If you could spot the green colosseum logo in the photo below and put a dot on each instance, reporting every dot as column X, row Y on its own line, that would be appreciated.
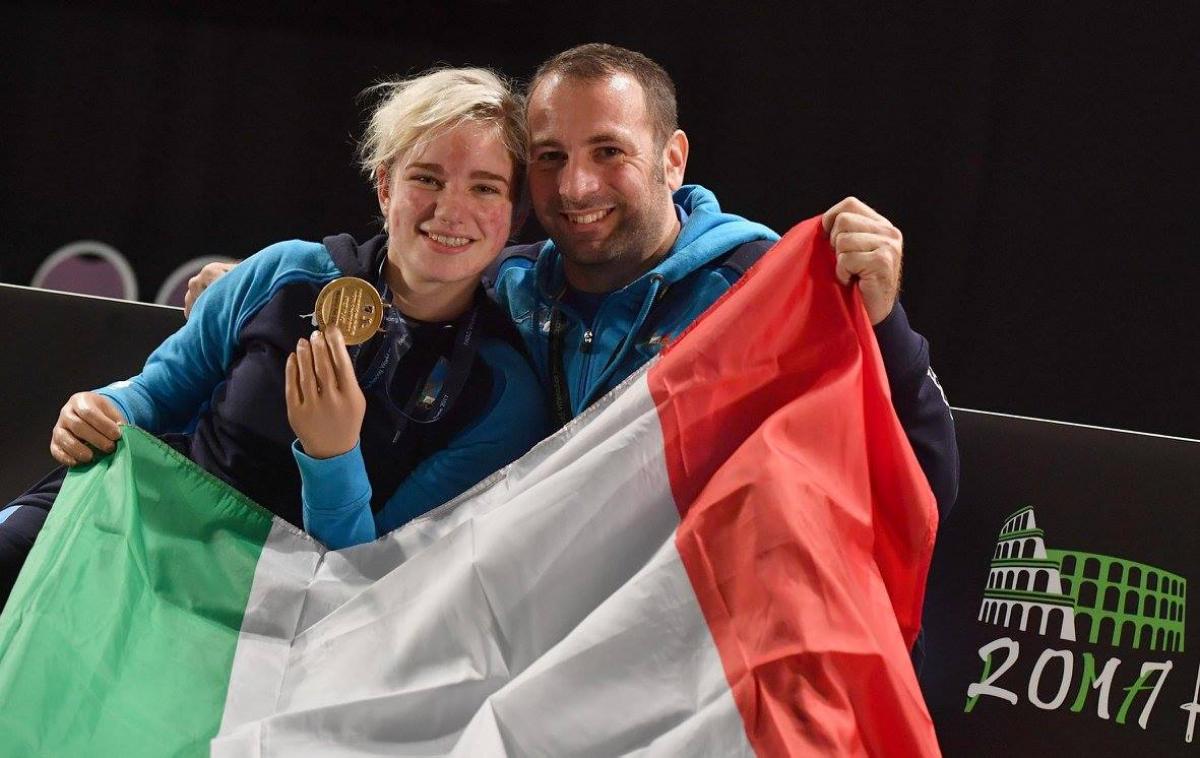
column 1080, row 597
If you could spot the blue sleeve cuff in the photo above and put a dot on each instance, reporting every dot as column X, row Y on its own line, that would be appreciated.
column 330, row 485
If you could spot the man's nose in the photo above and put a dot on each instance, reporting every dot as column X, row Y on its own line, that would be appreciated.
column 577, row 181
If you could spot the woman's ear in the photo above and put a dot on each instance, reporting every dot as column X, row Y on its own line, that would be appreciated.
column 383, row 188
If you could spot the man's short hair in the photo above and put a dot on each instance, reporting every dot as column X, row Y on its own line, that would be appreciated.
column 597, row 60
column 412, row 112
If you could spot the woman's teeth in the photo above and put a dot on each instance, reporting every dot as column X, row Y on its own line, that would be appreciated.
column 448, row 241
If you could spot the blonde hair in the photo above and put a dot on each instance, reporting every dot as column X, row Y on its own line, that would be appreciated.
column 411, row 112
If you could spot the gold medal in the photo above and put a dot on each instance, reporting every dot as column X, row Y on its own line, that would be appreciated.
column 353, row 305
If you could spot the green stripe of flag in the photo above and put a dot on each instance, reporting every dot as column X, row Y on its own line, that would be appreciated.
column 145, row 562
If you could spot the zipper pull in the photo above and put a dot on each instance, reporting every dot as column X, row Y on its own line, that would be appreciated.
column 586, row 347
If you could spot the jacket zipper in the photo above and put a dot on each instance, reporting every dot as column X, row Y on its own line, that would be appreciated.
column 586, row 345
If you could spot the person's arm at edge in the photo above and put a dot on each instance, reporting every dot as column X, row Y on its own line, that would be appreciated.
column 180, row 375
column 920, row 405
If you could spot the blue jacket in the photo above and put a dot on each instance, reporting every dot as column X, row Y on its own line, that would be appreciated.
column 596, row 356
column 224, row 370
column 655, row 307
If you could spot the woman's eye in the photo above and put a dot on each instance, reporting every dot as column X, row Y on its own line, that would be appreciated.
column 486, row 189
column 424, row 179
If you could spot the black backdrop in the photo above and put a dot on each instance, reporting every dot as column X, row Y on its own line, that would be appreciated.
column 1041, row 158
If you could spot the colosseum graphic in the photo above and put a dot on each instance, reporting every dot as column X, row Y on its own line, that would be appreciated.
column 1081, row 597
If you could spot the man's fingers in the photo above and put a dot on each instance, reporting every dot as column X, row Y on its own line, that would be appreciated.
column 71, row 446
column 864, row 263
column 849, row 205
column 861, row 242
column 194, row 288
column 109, row 409
column 291, row 383
column 343, row 367
column 94, row 415
column 84, row 431
column 59, row 455
column 831, row 215
column 851, row 223
column 200, row 282
column 842, row 271
column 861, row 265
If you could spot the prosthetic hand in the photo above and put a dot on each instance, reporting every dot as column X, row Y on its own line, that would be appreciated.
column 324, row 403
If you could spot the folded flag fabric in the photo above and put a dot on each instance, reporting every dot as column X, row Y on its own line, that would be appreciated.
column 725, row 556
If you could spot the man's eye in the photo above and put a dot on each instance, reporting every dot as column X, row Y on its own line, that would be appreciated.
column 425, row 179
column 609, row 152
column 549, row 156
column 486, row 189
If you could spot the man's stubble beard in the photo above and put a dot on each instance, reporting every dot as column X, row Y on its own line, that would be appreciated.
column 636, row 236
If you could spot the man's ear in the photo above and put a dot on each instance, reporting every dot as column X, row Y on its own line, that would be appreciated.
column 675, row 154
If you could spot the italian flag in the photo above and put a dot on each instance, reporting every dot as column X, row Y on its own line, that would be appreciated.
column 725, row 556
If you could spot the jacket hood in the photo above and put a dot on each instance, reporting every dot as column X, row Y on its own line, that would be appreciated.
column 708, row 233
column 354, row 259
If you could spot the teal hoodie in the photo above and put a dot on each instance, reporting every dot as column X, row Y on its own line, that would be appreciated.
column 632, row 323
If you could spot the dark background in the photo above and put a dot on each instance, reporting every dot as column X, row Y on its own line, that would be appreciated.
column 1040, row 158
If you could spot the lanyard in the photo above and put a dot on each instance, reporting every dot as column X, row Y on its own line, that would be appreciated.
column 434, row 396
column 560, row 394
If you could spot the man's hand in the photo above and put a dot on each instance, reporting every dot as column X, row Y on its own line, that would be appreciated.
column 198, row 283
column 87, row 419
column 325, row 405
column 870, row 249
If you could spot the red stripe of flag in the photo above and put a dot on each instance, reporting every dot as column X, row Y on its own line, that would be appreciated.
column 807, row 524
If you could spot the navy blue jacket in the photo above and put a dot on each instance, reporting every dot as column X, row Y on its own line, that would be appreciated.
column 227, row 362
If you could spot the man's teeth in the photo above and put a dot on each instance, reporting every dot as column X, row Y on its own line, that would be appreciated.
column 588, row 218
column 448, row 241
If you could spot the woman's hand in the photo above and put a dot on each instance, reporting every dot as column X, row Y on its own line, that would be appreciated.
column 87, row 419
column 325, row 405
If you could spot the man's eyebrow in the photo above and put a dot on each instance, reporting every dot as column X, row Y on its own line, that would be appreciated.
column 437, row 167
column 595, row 139
column 607, row 137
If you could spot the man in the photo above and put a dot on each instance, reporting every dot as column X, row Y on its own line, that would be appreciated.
column 635, row 256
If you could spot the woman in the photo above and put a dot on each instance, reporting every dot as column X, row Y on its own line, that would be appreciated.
column 351, row 441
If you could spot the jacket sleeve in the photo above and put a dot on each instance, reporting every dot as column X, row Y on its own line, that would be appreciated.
column 180, row 375
column 920, row 405
column 337, row 495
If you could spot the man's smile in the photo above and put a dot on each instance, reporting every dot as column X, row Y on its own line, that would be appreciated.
column 588, row 217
